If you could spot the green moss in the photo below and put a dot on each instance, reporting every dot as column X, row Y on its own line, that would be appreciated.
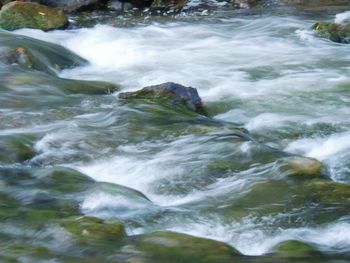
column 335, row 32
column 36, row 54
column 295, row 249
column 17, row 148
column 63, row 179
column 175, row 247
column 18, row 14
column 93, row 230
column 328, row 192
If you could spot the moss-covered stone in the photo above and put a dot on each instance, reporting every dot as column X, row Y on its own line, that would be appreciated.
column 175, row 247
column 295, row 249
column 18, row 148
column 335, row 32
column 88, row 229
column 328, row 192
column 35, row 54
column 18, row 14
column 63, row 179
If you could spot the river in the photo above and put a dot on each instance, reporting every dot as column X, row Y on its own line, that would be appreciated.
column 268, row 74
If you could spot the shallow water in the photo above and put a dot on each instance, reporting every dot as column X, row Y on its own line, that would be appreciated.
column 268, row 74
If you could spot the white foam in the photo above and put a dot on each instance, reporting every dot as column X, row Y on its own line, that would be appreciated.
column 342, row 18
column 321, row 148
column 250, row 238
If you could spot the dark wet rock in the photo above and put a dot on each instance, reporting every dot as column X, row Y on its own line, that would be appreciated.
column 302, row 166
column 328, row 192
column 174, row 93
column 175, row 5
column 63, row 179
column 17, row 148
column 19, row 14
column 89, row 229
column 175, row 247
column 71, row 5
column 35, row 54
column 335, row 32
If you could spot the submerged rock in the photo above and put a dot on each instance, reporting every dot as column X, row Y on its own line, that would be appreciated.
column 302, row 166
column 31, row 82
column 295, row 249
column 166, row 246
column 335, row 32
column 17, row 14
column 171, row 92
column 30, row 53
column 18, row 148
column 89, row 229
column 328, row 192
column 64, row 180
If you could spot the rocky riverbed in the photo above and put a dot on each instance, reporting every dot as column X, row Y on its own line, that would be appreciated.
column 206, row 132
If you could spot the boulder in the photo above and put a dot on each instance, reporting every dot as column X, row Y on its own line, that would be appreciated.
column 296, row 249
column 302, row 166
column 335, row 32
column 17, row 148
column 169, row 92
column 15, row 15
column 30, row 53
column 166, row 246
column 92, row 230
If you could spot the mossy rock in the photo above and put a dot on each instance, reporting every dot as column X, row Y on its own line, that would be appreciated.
column 335, row 32
column 63, row 179
column 41, row 83
column 174, row 247
column 30, row 53
column 295, row 249
column 17, row 14
column 89, row 229
column 328, row 192
column 18, row 148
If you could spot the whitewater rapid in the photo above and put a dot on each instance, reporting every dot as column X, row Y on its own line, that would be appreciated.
column 279, row 80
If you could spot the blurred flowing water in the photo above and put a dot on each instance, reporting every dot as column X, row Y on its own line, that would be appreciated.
column 268, row 74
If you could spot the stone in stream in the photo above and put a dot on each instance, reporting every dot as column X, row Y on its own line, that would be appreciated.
column 87, row 229
column 17, row 14
column 296, row 250
column 30, row 53
column 166, row 246
column 17, row 148
column 33, row 82
column 169, row 92
column 328, row 192
column 302, row 166
column 336, row 32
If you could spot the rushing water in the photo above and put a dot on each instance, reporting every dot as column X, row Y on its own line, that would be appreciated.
column 268, row 74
